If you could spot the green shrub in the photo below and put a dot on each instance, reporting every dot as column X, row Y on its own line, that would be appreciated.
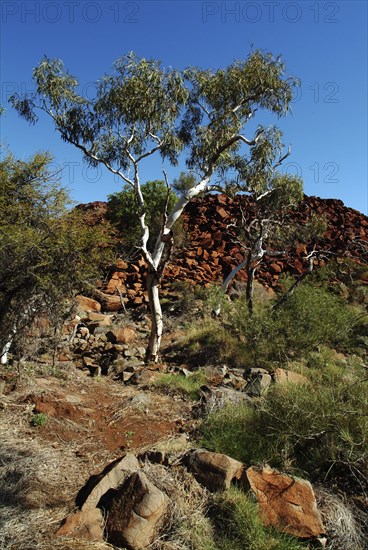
column 208, row 341
column 39, row 419
column 310, row 318
column 123, row 211
column 316, row 429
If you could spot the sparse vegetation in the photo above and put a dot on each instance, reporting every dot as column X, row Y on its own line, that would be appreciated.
column 241, row 526
column 311, row 318
column 47, row 253
column 320, row 431
column 39, row 419
column 188, row 385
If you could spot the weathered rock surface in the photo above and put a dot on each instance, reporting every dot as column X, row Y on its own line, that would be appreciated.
column 286, row 503
column 123, row 335
column 135, row 513
column 87, row 304
column 215, row 471
column 111, row 477
column 211, row 253
column 85, row 524
column 259, row 381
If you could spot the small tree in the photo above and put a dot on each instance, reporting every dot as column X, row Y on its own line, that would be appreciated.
column 142, row 110
column 46, row 252
column 267, row 228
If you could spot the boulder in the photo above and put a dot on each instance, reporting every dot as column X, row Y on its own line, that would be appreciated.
column 87, row 304
column 259, row 382
column 110, row 478
column 98, row 320
column 123, row 335
column 282, row 376
column 218, row 398
column 214, row 375
column 135, row 513
column 213, row 470
column 286, row 502
column 110, row 302
column 87, row 524
column 145, row 377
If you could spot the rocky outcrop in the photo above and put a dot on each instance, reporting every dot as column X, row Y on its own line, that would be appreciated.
column 210, row 252
column 112, row 476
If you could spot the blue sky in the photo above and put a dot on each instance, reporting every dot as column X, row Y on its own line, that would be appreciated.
column 323, row 43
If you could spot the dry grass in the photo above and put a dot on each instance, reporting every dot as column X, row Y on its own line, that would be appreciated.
column 343, row 528
column 186, row 526
column 38, row 485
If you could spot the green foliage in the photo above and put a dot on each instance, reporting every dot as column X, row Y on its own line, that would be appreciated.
column 229, row 97
column 123, row 211
column 311, row 317
column 46, row 252
column 241, row 525
column 138, row 101
column 208, row 341
column 316, row 429
column 188, row 385
column 184, row 182
column 39, row 419
column 142, row 109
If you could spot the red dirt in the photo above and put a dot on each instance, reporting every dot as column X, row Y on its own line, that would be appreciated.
column 99, row 415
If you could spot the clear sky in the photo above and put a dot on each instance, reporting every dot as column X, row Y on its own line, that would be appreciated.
column 323, row 43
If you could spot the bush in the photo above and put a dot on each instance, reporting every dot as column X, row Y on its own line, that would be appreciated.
column 209, row 342
column 318, row 431
column 310, row 318
column 47, row 253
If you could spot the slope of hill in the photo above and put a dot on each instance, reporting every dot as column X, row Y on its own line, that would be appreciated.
column 210, row 251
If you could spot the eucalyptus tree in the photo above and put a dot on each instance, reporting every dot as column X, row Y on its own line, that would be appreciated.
column 143, row 109
column 269, row 229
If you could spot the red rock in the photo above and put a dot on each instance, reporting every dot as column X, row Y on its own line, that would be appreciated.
column 122, row 265
column 222, row 213
column 110, row 302
column 87, row 304
column 100, row 319
column 275, row 268
column 286, row 503
column 123, row 335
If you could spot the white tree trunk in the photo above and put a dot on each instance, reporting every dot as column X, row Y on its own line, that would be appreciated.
column 225, row 284
column 156, row 267
column 156, row 315
column 6, row 348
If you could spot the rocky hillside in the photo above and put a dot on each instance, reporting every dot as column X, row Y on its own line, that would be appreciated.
column 170, row 456
column 210, row 251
